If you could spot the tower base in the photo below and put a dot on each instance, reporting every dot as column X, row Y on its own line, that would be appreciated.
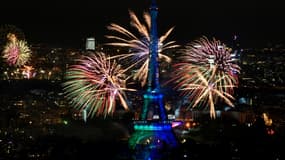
column 153, row 135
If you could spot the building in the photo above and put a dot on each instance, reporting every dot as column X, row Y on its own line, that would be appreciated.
column 90, row 43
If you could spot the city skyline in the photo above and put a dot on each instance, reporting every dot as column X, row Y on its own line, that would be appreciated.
column 69, row 23
column 58, row 102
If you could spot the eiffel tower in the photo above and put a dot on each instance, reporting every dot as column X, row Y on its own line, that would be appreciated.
column 153, row 129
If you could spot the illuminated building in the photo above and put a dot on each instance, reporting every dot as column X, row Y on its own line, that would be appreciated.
column 90, row 43
column 153, row 130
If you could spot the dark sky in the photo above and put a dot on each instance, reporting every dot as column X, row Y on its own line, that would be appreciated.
column 68, row 23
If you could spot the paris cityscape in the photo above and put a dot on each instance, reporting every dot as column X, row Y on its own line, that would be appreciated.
column 140, row 89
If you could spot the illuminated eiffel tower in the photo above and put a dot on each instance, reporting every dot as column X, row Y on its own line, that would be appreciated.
column 153, row 127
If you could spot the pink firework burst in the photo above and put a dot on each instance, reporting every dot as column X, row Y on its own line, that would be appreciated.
column 206, row 72
column 210, row 53
column 17, row 53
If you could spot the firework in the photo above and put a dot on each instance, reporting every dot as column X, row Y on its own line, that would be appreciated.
column 27, row 71
column 17, row 52
column 205, row 91
column 7, row 29
column 206, row 73
column 95, row 84
column 139, row 46
column 203, row 50
column 11, row 37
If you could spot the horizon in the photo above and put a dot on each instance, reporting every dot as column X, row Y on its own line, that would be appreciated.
column 68, row 24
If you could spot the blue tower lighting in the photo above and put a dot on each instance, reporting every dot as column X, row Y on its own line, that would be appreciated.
column 153, row 123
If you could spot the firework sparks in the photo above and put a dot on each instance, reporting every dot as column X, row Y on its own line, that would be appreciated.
column 7, row 30
column 27, row 71
column 210, row 54
column 95, row 84
column 206, row 73
column 17, row 53
column 205, row 91
column 139, row 46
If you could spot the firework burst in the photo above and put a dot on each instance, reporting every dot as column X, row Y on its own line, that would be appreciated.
column 212, row 54
column 28, row 71
column 206, row 73
column 205, row 91
column 7, row 29
column 95, row 84
column 139, row 46
column 17, row 53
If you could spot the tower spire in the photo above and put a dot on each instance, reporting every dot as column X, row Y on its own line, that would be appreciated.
column 153, row 70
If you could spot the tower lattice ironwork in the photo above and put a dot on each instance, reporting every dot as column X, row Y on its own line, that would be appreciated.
column 153, row 126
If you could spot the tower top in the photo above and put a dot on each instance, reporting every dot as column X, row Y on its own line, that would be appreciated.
column 153, row 5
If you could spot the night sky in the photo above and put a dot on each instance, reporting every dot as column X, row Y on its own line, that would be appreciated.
column 68, row 23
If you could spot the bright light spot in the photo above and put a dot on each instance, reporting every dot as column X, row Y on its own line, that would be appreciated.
column 65, row 122
column 187, row 125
